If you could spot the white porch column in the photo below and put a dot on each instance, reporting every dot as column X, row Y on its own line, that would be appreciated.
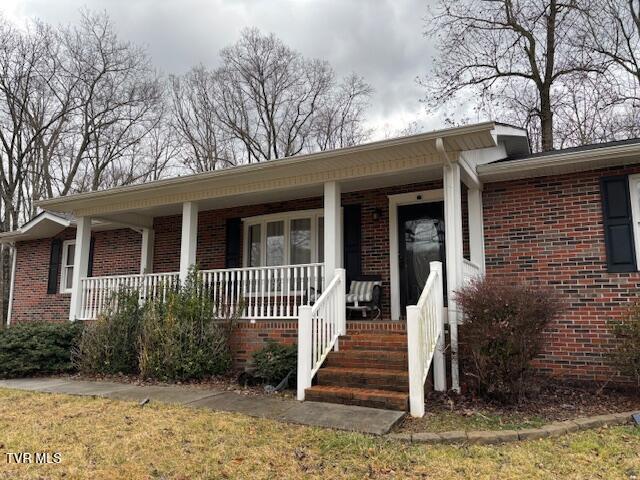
column 476, row 227
column 332, row 230
column 12, row 286
column 80, row 265
column 146, row 253
column 189, row 239
column 454, row 255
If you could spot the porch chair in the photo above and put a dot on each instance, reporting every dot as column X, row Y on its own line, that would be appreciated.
column 365, row 296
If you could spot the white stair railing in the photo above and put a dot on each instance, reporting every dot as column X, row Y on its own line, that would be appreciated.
column 319, row 327
column 425, row 340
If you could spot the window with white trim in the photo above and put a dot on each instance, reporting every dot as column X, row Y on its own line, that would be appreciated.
column 66, row 274
column 634, row 194
column 291, row 238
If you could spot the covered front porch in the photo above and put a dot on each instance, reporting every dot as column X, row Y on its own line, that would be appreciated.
column 284, row 241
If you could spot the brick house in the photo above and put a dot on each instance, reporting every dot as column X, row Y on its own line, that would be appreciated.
column 283, row 241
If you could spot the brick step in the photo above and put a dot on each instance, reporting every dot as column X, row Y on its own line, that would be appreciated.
column 380, row 344
column 367, row 358
column 376, row 378
column 363, row 397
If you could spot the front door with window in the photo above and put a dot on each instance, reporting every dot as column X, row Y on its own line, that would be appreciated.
column 421, row 240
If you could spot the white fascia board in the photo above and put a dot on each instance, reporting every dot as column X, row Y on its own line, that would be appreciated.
column 560, row 163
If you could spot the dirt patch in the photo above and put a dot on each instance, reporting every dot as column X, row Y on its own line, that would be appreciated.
column 549, row 403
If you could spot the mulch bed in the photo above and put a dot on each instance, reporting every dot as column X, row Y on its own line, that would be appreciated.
column 551, row 402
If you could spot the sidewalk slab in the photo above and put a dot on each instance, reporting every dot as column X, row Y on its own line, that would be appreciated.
column 37, row 384
column 252, row 405
column 162, row 394
column 342, row 417
column 76, row 387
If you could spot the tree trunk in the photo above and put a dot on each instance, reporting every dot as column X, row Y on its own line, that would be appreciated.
column 546, row 122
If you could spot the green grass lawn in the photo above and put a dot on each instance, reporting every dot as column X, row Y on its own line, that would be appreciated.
column 107, row 439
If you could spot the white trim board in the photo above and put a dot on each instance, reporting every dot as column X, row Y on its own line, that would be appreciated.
column 634, row 194
column 411, row 198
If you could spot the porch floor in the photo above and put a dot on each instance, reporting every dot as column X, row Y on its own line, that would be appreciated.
column 341, row 417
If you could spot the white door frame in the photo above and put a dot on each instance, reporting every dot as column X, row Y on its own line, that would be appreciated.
column 411, row 198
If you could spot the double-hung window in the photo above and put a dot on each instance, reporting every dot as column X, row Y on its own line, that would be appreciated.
column 292, row 238
column 66, row 274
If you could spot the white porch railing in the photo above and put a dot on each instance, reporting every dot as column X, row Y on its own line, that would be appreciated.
column 250, row 293
column 264, row 292
column 97, row 292
column 425, row 340
column 470, row 271
column 319, row 327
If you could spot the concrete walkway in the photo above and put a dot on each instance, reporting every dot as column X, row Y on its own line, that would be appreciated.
column 342, row 417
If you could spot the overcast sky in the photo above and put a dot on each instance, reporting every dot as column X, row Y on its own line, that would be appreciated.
column 379, row 39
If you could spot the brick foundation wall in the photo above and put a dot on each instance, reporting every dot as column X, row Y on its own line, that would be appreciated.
column 115, row 252
column 548, row 231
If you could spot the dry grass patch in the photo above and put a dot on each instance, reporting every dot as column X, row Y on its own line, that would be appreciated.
column 107, row 439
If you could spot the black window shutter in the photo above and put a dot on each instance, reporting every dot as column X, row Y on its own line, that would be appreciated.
column 90, row 266
column 233, row 249
column 54, row 265
column 352, row 228
column 618, row 224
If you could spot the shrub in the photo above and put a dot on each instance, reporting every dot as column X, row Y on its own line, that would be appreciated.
column 626, row 354
column 181, row 338
column 502, row 333
column 37, row 348
column 274, row 361
column 110, row 344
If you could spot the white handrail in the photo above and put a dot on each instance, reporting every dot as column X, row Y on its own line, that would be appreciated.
column 319, row 327
column 425, row 339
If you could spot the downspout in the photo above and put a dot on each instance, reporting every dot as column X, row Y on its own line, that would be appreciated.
column 14, row 261
column 452, row 310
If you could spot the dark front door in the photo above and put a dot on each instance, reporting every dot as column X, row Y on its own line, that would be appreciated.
column 421, row 240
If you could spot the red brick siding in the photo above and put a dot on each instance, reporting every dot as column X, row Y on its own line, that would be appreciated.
column 115, row 252
column 548, row 231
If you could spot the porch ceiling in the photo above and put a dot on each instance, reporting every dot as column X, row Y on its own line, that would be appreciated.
column 388, row 162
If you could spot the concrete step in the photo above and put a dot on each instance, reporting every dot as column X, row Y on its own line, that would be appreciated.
column 364, row 397
column 396, row 360
column 376, row 378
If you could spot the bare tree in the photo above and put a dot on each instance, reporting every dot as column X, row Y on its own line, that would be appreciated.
column 506, row 50
column 206, row 144
column 276, row 103
column 340, row 121
column 612, row 30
